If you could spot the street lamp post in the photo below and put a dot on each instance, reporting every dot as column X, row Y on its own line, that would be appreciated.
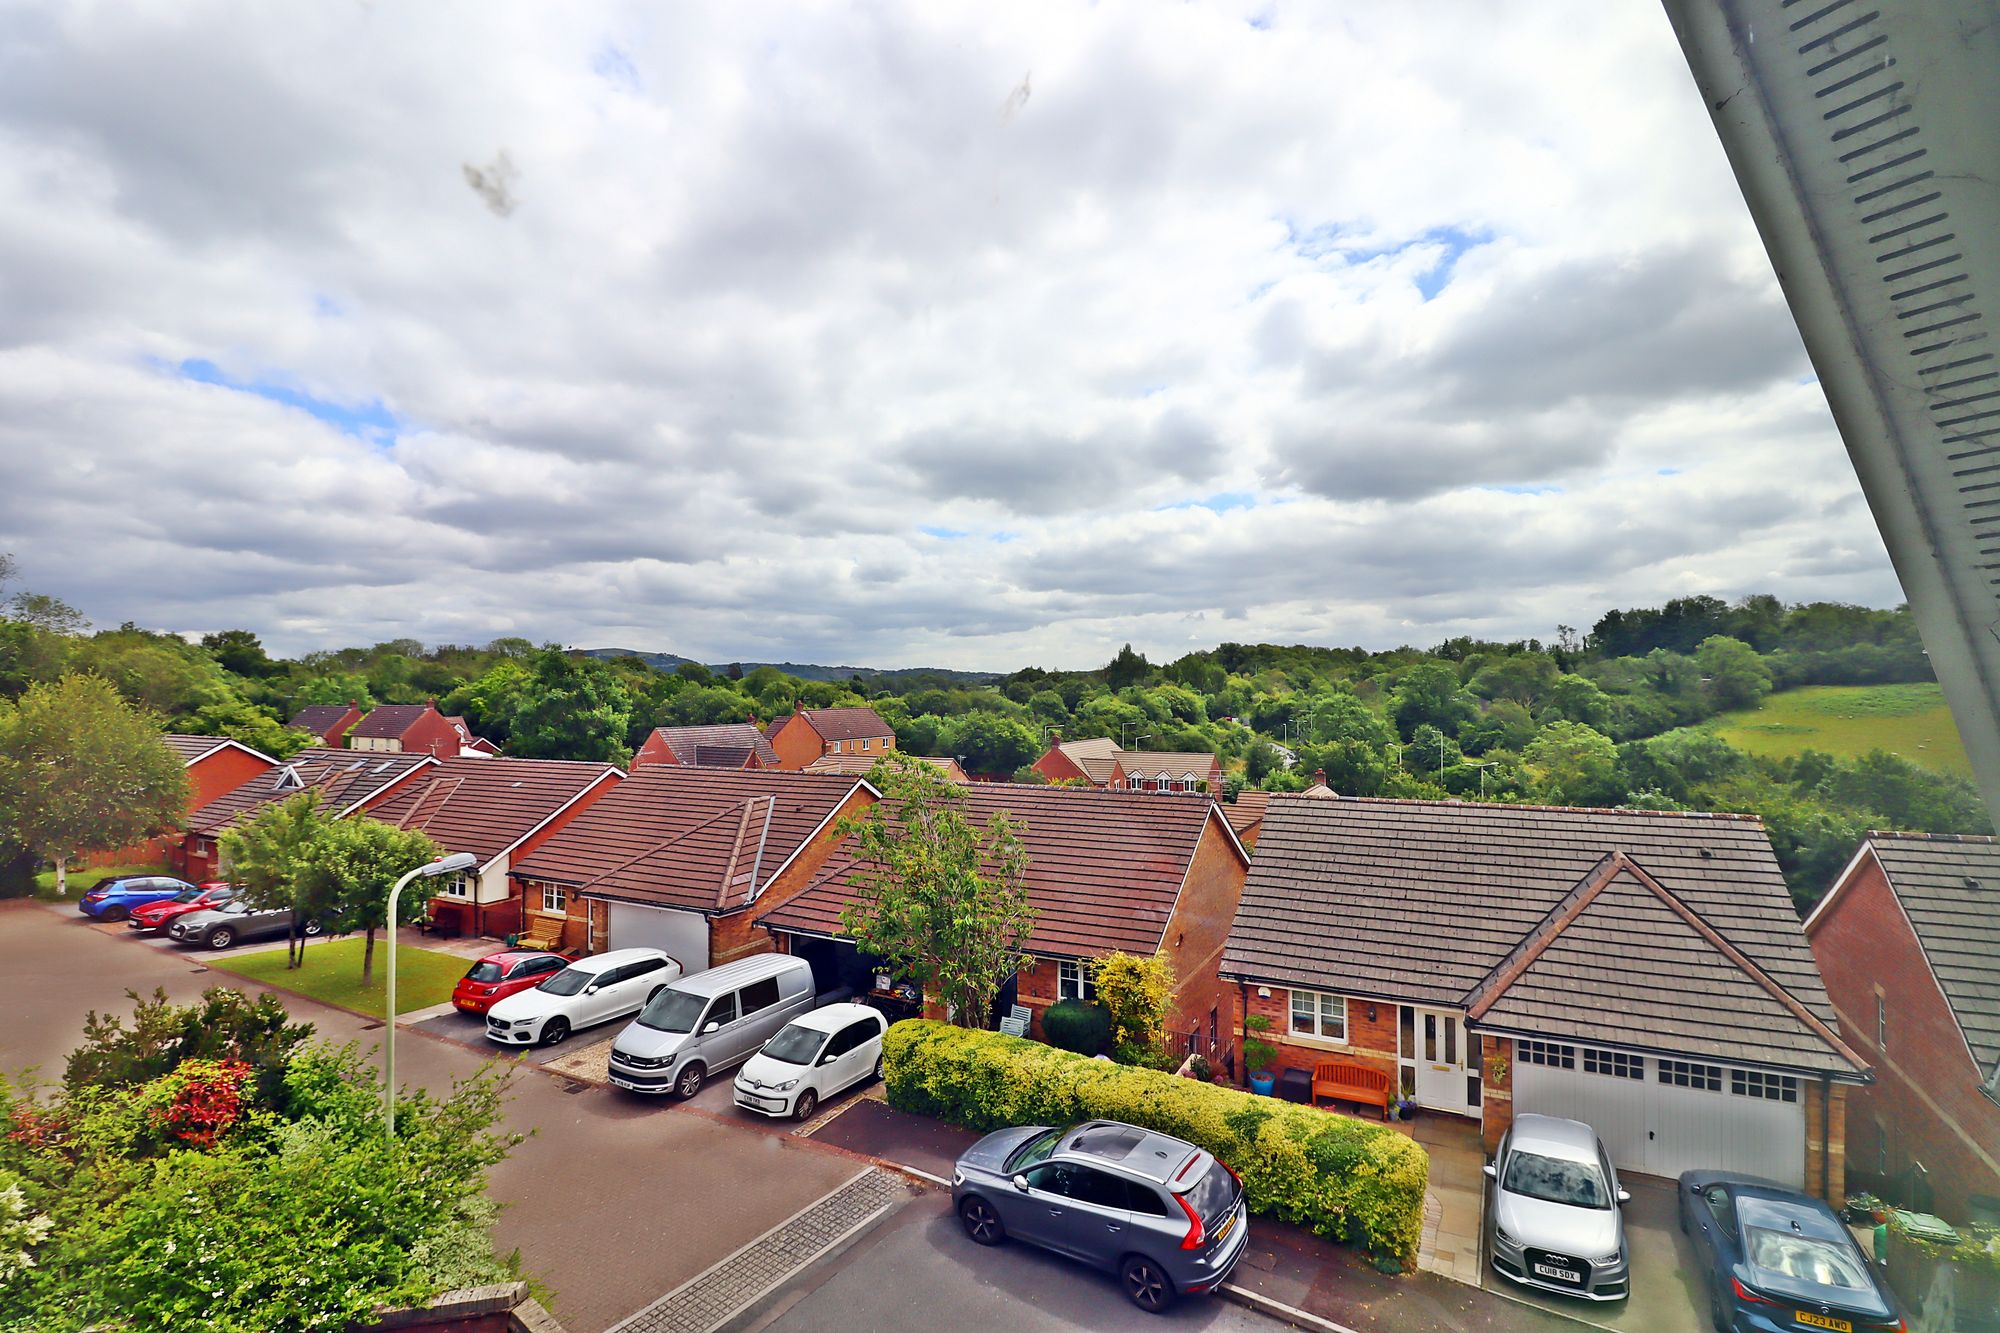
column 449, row 865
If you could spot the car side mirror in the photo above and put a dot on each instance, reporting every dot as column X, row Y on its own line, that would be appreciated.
column 590, row 990
column 1492, row 1171
column 712, row 1027
column 1021, row 1184
column 828, row 1059
column 1624, row 1195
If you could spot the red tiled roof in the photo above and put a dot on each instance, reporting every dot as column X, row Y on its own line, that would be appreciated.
column 685, row 741
column 722, row 756
column 486, row 806
column 342, row 778
column 191, row 748
column 1097, row 756
column 1247, row 810
column 389, row 721
column 670, row 836
column 1104, row 868
column 846, row 724
column 316, row 718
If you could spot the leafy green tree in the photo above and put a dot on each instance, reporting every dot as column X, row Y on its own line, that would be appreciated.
column 239, row 651
column 338, row 688
column 256, row 727
column 1126, row 668
column 1574, row 765
column 351, row 864
column 939, row 898
column 1429, row 694
column 265, row 854
column 81, row 771
column 164, row 674
column 1136, row 992
column 1736, row 676
column 225, row 1024
column 573, row 708
column 1524, row 678
column 706, row 705
column 990, row 744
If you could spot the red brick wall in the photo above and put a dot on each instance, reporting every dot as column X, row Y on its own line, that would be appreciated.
column 797, row 743
column 1057, row 767
column 431, row 733
column 654, row 751
column 1369, row 1042
column 1925, row 1105
column 1496, row 1089
column 1195, row 935
column 213, row 776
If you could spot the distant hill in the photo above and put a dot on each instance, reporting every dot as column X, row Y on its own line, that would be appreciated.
column 1850, row 720
column 805, row 670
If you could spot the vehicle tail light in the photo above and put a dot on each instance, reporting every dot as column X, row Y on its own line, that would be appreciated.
column 1744, row 1293
column 1197, row 1233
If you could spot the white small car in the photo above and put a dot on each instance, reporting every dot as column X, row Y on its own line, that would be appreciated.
column 589, row 991
column 811, row 1058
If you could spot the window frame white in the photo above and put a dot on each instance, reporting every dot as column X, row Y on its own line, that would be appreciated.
column 561, row 896
column 1318, row 1031
column 1076, row 979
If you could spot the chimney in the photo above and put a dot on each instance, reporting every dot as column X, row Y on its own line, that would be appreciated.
column 1319, row 777
column 1055, row 737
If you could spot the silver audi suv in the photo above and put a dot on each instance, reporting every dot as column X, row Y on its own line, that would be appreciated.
column 1164, row 1215
column 1555, row 1218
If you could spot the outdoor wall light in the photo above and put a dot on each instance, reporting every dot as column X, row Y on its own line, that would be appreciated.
column 1371, row 1013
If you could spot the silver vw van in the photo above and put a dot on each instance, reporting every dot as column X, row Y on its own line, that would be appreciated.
column 708, row 1022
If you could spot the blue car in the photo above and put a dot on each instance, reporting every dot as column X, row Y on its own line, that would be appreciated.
column 1779, row 1260
column 115, row 901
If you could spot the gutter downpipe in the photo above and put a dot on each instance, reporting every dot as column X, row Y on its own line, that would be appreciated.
column 1243, row 1025
column 1826, row 1137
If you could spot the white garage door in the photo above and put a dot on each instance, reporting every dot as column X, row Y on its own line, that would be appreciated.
column 682, row 934
column 1663, row 1117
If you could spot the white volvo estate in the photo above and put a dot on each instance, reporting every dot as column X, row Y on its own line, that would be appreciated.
column 589, row 991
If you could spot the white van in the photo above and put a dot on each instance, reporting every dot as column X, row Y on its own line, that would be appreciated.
column 709, row 1022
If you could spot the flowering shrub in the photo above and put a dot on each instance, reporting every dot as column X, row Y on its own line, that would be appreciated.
column 199, row 1102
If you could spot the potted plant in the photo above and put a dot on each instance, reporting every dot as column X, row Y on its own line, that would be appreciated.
column 1258, row 1054
column 1862, row 1207
column 1403, row 1109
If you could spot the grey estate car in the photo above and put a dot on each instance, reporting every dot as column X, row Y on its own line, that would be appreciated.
column 1164, row 1215
column 234, row 922
column 1555, row 1218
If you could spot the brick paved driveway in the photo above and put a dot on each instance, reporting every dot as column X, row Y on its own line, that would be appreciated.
column 613, row 1202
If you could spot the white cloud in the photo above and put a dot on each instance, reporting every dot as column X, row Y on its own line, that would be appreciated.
column 782, row 295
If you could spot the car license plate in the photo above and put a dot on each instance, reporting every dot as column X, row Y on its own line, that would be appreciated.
column 1824, row 1321
column 1223, row 1230
column 1559, row 1274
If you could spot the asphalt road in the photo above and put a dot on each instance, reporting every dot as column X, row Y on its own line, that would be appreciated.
column 612, row 1201
column 916, row 1271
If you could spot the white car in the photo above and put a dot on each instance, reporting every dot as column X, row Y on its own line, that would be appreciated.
column 811, row 1058
column 589, row 991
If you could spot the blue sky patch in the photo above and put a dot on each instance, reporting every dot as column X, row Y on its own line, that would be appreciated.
column 1331, row 238
column 364, row 421
column 615, row 68
column 1543, row 489
column 1220, row 503
column 945, row 534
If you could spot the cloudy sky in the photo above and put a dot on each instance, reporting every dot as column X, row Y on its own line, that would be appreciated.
column 891, row 333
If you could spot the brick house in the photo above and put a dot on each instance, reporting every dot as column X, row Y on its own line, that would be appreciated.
column 677, row 857
column 329, row 722
column 812, row 733
column 347, row 783
column 1642, row 972
column 725, row 745
column 215, row 765
column 1106, row 871
column 500, row 810
column 1246, row 814
column 409, row 729
column 1908, row 939
column 858, row 765
column 1101, row 763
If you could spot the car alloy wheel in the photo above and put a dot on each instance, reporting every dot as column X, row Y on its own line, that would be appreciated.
column 807, row 1103
column 689, row 1083
column 1146, row 1284
column 313, row 927
column 981, row 1222
column 555, row 1031
column 878, row 1069
column 221, row 939
column 117, row 913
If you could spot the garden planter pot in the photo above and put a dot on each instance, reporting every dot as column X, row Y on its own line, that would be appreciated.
column 1261, row 1084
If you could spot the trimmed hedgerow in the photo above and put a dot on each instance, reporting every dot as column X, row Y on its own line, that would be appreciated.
column 1334, row 1175
column 1073, row 1025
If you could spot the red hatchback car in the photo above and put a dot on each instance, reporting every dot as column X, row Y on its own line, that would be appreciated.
column 160, row 915
column 498, row 975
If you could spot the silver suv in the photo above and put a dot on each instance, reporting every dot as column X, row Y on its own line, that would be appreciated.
column 1163, row 1214
column 1555, row 1218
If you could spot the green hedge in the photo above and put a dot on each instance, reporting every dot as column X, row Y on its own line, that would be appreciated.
column 1335, row 1175
column 1072, row 1025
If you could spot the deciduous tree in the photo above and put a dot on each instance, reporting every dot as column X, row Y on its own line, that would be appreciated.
column 83, row 771
column 265, row 855
column 351, row 864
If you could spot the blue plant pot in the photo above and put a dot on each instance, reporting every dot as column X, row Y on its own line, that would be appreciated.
column 1261, row 1084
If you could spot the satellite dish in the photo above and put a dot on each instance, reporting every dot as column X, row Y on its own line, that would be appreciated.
column 1863, row 135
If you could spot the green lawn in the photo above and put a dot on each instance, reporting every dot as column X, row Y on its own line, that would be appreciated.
column 1850, row 720
column 79, row 880
column 332, row 973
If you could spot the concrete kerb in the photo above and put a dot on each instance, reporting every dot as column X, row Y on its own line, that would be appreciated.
column 1291, row 1314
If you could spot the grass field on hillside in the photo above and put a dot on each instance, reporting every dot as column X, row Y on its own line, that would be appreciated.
column 332, row 972
column 1910, row 721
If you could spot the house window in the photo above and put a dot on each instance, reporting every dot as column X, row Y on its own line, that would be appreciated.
column 1614, row 1064
column 1317, row 1014
column 553, row 900
column 1076, row 981
column 1551, row 1053
column 1770, row 1087
column 456, row 886
column 1687, row 1074
column 1189, row 784
column 1881, row 1024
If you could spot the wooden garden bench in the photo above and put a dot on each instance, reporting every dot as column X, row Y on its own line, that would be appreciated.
column 1344, row 1081
column 545, row 937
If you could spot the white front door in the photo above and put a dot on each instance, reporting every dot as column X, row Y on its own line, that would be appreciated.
column 1446, row 1071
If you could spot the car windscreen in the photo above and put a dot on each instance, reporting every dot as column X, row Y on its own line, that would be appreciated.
column 484, row 972
column 569, row 981
column 1804, row 1258
column 796, row 1045
column 1556, row 1180
column 186, row 896
column 237, row 908
column 1213, row 1195
column 672, row 1011
column 1033, row 1151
